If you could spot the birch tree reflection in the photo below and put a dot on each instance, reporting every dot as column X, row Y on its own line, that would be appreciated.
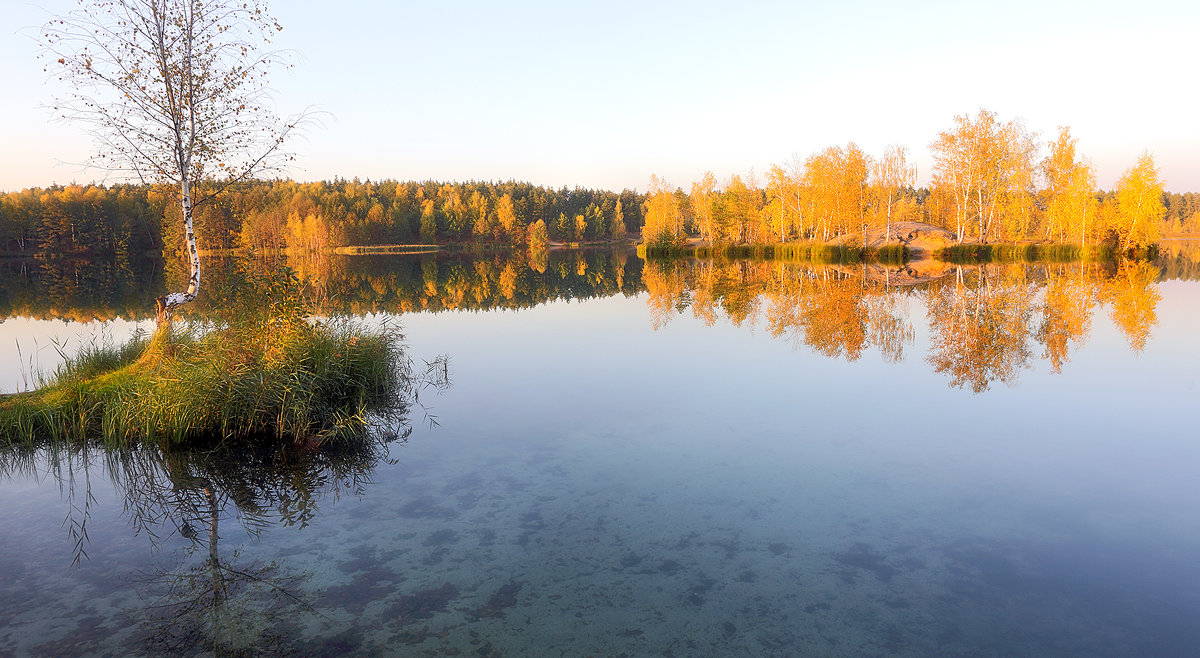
column 209, row 503
column 984, row 321
column 979, row 327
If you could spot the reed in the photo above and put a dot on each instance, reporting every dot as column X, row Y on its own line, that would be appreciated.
column 1030, row 253
column 792, row 251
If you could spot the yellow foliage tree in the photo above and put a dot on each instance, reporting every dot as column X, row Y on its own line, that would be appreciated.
column 663, row 224
column 1139, row 204
column 1070, row 185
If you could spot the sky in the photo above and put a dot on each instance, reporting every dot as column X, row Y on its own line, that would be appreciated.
column 604, row 94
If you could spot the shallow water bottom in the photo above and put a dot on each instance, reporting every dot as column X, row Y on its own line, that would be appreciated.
column 766, row 503
column 600, row 545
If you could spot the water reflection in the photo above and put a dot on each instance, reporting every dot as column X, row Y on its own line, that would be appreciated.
column 986, row 323
column 983, row 321
column 209, row 502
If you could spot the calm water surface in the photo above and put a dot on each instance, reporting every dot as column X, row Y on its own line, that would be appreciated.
column 624, row 475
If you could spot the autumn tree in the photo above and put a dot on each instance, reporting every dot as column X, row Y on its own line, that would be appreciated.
column 889, row 175
column 979, row 330
column 1133, row 298
column 539, row 243
column 428, row 229
column 616, row 227
column 1139, row 204
column 835, row 182
column 483, row 220
column 506, row 217
column 664, row 223
column 1070, row 184
column 988, row 168
column 701, row 200
column 174, row 92
column 783, row 200
column 1066, row 313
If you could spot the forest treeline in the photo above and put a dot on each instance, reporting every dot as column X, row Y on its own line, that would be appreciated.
column 992, row 181
column 99, row 220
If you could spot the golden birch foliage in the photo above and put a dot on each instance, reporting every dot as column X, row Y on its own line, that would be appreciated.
column 890, row 175
column 979, row 328
column 579, row 228
column 663, row 224
column 956, row 170
column 836, row 184
column 508, row 280
column 701, row 200
column 665, row 287
column 1066, row 314
column 1070, row 184
column 783, row 202
column 1012, row 182
column 539, row 246
column 742, row 207
column 1133, row 301
column 506, row 215
column 986, row 167
column 854, row 183
column 616, row 227
column 1139, row 204
column 479, row 207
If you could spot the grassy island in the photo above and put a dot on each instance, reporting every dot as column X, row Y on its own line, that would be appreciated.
column 262, row 367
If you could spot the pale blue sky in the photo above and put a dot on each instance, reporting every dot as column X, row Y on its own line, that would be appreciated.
column 602, row 94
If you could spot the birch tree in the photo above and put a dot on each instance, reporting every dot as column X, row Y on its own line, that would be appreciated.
column 890, row 175
column 1070, row 184
column 174, row 93
column 701, row 200
column 988, row 167
column 1139, row 203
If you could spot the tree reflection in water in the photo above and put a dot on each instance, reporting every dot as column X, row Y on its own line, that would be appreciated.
column 217, row 600
column 984, row 320
column 987, row 323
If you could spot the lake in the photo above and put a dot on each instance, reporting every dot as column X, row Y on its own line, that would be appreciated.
column 668, row 458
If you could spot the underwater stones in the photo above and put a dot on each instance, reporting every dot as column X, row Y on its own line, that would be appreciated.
column 424, row 604
column 861, row 556
column 425, row 507
column 503, row 598
column 441, row 538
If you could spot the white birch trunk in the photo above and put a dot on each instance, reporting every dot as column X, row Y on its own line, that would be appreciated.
column 170, row 302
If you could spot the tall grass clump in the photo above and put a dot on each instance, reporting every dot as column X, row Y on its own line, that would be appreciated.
column 1030, row 253
column 964, row 253
column 257, row 366
column 896, row 254
column 793, row 251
